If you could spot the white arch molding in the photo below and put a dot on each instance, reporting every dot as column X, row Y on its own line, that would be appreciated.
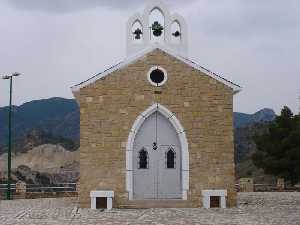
column 183, row 144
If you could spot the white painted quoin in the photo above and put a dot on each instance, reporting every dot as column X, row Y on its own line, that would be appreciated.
column 161, row 182
column 207, row 194
column 109, row 195
column 172, row 23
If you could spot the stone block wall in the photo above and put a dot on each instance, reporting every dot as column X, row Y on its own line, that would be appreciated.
column 109, row 107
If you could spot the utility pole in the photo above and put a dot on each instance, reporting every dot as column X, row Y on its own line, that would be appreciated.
column 10, row 78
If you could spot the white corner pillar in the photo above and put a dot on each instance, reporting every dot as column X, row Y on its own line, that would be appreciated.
column 93, row 203
column 207, row 194
column 109, row 203
column 223, row 202
column 109, row 195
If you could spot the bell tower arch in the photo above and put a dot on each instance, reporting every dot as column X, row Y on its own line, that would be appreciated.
column 157, row 26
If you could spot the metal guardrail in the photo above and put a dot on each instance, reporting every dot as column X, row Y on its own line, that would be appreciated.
column 63, row 187
column 3, row 187
column 268, row 188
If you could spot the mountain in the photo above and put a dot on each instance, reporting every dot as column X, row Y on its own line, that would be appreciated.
column 55, row 116
column 262, row 116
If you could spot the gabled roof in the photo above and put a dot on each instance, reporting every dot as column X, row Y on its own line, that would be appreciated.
column 236, row 88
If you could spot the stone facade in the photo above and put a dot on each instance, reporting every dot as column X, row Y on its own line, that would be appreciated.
column 109, row 107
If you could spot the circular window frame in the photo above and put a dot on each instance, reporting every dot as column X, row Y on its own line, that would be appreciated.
column 165, row 76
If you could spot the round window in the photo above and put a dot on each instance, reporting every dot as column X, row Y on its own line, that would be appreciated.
column 157, row 76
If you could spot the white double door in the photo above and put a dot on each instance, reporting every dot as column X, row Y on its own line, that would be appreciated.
column 157, row 160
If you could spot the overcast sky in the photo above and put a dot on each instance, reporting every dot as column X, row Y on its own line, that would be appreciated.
column 58, row 43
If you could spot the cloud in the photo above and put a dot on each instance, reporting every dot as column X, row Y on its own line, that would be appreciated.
column 62, row 6
column 241, row 18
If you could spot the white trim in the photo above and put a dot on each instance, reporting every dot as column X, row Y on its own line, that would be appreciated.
column 183, row 142
column 206, row 194
column 104, row 194
column 129, row 159
column 165, row 76
column 141, row 54
column 101, row 194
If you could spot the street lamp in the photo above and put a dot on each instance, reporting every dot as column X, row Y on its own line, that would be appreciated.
column 9, row 77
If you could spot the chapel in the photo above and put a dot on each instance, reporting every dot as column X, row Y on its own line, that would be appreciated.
column 156, row 130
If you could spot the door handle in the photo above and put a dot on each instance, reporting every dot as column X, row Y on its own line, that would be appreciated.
column 154, row 146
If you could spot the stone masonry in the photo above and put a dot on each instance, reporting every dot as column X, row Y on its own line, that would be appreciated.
column 109, row 107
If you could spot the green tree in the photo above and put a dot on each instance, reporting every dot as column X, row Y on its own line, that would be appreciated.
column 278, row 151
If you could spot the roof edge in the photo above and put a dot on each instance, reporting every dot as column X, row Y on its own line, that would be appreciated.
column 236, row 88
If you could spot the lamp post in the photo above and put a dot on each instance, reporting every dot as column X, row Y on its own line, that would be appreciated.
column 9, row 77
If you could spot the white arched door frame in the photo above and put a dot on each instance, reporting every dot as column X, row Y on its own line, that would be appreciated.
column 183, row 146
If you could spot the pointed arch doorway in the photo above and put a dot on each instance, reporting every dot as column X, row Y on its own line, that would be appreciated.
column 157, row 158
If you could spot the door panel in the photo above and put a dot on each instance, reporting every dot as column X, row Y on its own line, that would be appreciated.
column 157, row 181
column 144, row 180
column 169, row 178
column 166, row 134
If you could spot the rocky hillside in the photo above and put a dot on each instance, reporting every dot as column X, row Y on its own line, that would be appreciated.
column 44, row 158
column 44, row 165
column 69, row 174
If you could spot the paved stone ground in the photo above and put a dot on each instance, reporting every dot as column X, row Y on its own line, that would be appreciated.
column 253, row 209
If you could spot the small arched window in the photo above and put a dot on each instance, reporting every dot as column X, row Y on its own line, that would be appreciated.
column 137, row 32
column 170, row 158
column 143, row 159
column 157, row 25
column 176, row 33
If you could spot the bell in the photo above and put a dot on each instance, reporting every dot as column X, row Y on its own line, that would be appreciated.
column 157, row 29
column 154, row 146
column 138, row 33
column 176, row 34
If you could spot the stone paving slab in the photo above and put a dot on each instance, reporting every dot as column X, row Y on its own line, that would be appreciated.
column 253, row 209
